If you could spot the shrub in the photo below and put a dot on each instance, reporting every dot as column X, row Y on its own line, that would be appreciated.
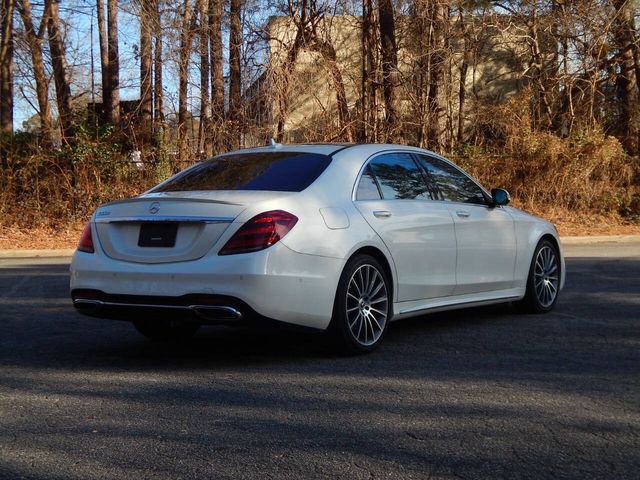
column 587, row 171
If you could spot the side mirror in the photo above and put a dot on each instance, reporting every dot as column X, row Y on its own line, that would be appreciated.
column 499, row 196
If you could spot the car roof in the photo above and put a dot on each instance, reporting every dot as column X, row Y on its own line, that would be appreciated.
column 320, row 148
column 330, row 148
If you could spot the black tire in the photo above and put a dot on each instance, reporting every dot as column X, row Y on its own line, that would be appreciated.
column 164, row 330
column 368, row 315
column 543, row 282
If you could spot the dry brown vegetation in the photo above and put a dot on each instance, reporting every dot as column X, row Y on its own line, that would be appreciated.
column 585, row 173
column 540, row 97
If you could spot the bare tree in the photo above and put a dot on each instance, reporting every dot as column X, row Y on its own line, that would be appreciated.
column 217, row 81
column 235, row 73
column 6, row 66
column 625, row 42
column 437, row 90
column 104, row 58
column 158, row 115
column 370, row 72
column 34, row 39
column 390, row 72
column 60, row 69
column 146, row 72
column 465, row 31
column 186, row 35
column 307, row 20
column 113, row 72
column 204, row 130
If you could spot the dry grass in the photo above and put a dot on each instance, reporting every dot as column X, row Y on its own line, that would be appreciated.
column 36, row 238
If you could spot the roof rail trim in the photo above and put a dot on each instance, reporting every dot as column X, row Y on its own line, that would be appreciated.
column 344, row 148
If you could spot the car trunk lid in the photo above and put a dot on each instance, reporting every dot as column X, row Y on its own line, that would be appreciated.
column 170, row 227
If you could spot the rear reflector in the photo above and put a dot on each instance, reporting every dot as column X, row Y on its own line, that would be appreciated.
column 260, row 232
column 86, row 242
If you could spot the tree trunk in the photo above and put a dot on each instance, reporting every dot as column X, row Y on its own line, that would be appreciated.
column 540, row 69
column 60, row 70
column 146, row 74
column 370, row 71
column 423, row 32
column 6, row 66
column 626, row 81
column 390, row 73
column 464, row 68
column 34, row 40
column 113, row 103
column 158, row 116
column 437, row 91
column 235, row 42
column 183, row 71
column 104, row 60
column 217, row 81
column 204, row 131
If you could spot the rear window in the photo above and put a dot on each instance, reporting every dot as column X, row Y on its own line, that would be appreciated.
column 274, row 171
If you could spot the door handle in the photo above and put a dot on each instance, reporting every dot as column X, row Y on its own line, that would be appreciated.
column 463, row 213
column 381, row 213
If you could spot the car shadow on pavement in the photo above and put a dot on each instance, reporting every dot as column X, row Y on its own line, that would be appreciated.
column 38, row 318
column 474, row 393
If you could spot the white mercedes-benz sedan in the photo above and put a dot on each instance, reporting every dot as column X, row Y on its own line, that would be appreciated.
column 333, row 237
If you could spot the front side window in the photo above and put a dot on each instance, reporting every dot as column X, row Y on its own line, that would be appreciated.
column 399, row 177
column 271, row 171
column 454, row 185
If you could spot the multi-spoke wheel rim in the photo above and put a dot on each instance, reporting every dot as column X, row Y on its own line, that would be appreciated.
column 546, row 276
column 367, row 305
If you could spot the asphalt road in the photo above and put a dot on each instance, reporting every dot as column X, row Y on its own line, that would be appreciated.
column 480, row 393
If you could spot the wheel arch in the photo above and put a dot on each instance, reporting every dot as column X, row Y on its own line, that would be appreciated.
column 556, row 243
column 380, row 257
column 552, row 239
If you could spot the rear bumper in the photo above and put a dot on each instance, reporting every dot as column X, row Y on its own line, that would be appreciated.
column 203, row 309
column 275, row 283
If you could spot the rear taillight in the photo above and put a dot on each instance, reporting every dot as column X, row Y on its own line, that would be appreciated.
column 86, row 242
column 260, row 232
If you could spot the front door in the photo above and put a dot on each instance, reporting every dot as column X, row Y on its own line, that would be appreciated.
column 485, row 235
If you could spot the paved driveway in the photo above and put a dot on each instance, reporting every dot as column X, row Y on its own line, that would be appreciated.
column 481, row 393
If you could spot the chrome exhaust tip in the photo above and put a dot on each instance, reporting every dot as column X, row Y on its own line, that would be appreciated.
column 217, row 313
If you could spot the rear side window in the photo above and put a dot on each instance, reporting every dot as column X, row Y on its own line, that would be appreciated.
column 272, row 171
column 454, row 185
column 399, row 177
column 367, row 188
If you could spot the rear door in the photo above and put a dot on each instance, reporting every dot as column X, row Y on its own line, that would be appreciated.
column 485, row 235
column 395, row 199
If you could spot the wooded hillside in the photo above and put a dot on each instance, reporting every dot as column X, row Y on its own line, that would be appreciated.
column 100, row 99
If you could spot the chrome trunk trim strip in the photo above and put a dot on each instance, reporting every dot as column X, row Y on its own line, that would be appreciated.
column 175, row 218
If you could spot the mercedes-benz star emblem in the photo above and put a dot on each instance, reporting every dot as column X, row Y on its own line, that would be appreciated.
column 154, row 208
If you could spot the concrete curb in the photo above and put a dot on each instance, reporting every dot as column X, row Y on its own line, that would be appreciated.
column 51, row 253
column 567, row 241
column 600, row 239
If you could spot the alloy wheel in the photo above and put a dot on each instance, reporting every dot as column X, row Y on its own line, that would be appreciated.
column 367, row 304
column 545, row 276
